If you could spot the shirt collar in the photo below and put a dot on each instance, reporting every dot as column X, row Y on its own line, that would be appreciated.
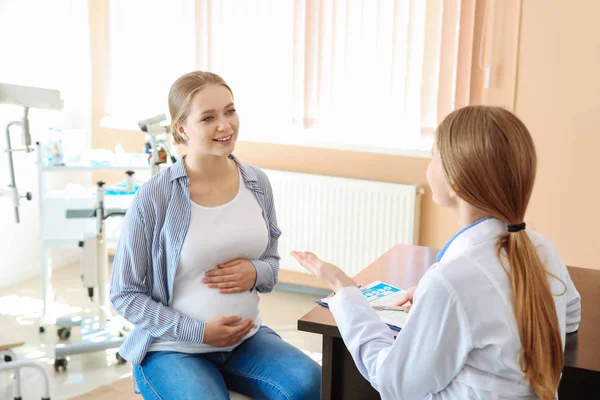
column 178, row 170
column 480, row 231
column 248, row 174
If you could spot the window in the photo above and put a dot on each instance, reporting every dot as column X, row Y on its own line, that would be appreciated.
column 376, row 73
column 151, row 44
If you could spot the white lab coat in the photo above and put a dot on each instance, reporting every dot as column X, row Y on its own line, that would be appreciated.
column 460, row 340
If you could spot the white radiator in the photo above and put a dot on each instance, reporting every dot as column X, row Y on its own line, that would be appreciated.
column 348, row 222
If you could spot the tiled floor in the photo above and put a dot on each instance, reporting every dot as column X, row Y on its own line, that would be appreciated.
column 279, row 310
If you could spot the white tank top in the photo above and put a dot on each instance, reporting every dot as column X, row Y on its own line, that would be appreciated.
column 215, row 236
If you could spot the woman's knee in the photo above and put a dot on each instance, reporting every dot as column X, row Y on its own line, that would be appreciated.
column 307, row 383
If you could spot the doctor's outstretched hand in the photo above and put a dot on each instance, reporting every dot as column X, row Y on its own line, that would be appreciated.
column 327, row 273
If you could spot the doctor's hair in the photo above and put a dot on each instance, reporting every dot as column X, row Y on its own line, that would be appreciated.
column 181, row 93
column 489, row 159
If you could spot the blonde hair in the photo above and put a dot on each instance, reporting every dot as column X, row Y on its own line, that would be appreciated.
column 490, row 161
column 181, row 93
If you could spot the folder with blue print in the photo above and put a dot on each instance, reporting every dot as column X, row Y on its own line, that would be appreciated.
column 379, row 293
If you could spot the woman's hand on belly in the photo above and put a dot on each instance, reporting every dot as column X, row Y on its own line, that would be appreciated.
column 222, row 332
column 236, row 276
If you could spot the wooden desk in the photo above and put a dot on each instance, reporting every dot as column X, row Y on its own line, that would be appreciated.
column 404, row 266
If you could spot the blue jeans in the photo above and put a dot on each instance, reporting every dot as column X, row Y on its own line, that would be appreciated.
column 262, row 367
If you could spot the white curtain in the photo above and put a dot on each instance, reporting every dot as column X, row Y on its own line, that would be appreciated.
column 382, row 70
column 151, row 44
column 250, row 44
column 373, row 72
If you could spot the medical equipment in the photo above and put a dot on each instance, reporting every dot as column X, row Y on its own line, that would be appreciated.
column 130, row 182
column 99, row 332
column 26, row 97
column 158, row 151
column 56, row 231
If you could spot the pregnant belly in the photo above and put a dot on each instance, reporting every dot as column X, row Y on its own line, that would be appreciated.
column 196, row 300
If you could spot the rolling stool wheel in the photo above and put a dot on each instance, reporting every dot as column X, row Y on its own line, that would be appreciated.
column 60, row 363
column 63, row 333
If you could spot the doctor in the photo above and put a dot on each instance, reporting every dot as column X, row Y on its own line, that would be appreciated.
column 489, row 319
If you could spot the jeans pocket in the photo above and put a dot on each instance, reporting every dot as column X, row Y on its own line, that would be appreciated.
column 140, row 382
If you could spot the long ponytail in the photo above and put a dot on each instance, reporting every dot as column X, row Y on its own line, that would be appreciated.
column 542, row 351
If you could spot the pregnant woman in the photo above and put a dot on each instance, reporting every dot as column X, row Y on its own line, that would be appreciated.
column 198, row 244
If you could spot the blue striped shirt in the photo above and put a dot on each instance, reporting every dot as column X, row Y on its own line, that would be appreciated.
column 147, row 257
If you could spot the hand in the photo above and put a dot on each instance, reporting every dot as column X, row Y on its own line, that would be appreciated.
column 236, row 276
column 407, row 297
column 221, row 332
column 327, row 273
